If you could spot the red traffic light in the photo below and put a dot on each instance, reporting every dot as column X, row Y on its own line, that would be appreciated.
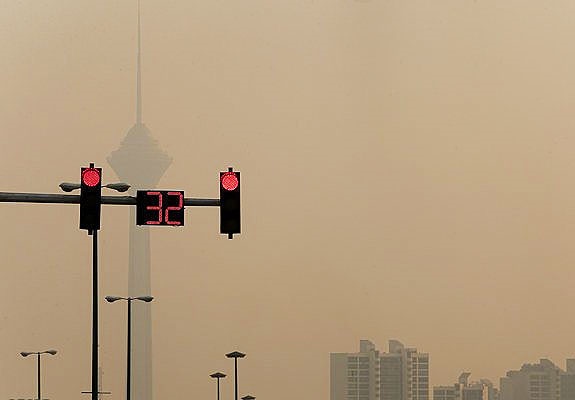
column 90, row 177
column 230, row 181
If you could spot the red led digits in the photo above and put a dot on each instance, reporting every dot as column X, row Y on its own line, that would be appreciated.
column 90, row 177
column 160, row 208
column 174, row 208
column 229, row 181
column 156, row 208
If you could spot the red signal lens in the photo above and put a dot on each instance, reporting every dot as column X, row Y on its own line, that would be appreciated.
column 90, row 177
column 229, row 181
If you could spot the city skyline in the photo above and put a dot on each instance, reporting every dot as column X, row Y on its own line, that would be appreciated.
column 406, row 173
column 402, row 373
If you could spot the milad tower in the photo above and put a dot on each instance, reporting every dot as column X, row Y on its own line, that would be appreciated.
column 140, row 162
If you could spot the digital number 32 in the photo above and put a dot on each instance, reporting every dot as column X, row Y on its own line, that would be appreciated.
column 164, row 215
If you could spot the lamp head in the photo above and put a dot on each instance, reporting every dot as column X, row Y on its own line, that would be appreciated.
column 111, row 299
column 218, row 375
column 25, row 353
column 235, row 354
column 68, row 187
column 147, row 299
column 52, row 352
column 119, row 187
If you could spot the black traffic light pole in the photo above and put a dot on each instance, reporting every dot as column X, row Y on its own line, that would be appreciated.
column 94, row 234
column 90, row 205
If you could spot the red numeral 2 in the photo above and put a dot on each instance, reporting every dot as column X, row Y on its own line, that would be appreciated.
column 175, row 208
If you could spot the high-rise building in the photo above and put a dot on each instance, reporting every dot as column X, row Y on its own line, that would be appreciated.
column 355, row 376
column 400, row 374
column 417, row 372
column 404, row 373
column 541, row 381
column 392, row 372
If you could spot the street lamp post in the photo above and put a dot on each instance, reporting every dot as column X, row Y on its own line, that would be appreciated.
column 235, row 355
column 27, row 353
column 119, row 187
column 112, row 299
column 218, row 376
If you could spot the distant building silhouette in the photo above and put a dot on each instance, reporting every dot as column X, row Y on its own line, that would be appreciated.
column 465, row 390
column 541, row 381
column 400, row 374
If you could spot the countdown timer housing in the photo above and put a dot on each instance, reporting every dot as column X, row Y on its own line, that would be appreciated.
column 160, row 207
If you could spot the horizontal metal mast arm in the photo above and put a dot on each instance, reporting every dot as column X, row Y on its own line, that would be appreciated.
column 202, row 202
column 7, row 197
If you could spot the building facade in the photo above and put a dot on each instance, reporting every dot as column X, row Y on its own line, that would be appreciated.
column 391, row 376
column 355, row 376
column 404, row 373
column 446, row 393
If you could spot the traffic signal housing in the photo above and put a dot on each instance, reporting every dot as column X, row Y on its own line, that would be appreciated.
column 230, row 221
column 90, row 198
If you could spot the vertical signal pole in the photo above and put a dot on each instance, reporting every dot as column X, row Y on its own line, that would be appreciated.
column 38, row 369
column 95, row 388
column 129, row 352
column 90, row 204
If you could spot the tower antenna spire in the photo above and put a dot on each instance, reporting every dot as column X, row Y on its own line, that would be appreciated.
column 139, row 75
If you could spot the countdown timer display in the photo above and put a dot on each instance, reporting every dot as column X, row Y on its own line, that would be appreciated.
column 160, row 207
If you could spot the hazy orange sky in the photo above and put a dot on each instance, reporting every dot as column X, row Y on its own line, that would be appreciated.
column 407, row 172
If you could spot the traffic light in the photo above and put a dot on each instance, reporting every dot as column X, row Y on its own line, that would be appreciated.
column 90, row 198
column 230, row 221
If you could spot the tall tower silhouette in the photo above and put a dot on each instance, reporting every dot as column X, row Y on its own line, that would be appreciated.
column 140, row 162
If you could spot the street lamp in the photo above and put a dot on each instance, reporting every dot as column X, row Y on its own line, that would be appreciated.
column 120, row 187
column 248, row 397
column 235, row 355
column 111, row 299
column 29, row 353
column 218, row 376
